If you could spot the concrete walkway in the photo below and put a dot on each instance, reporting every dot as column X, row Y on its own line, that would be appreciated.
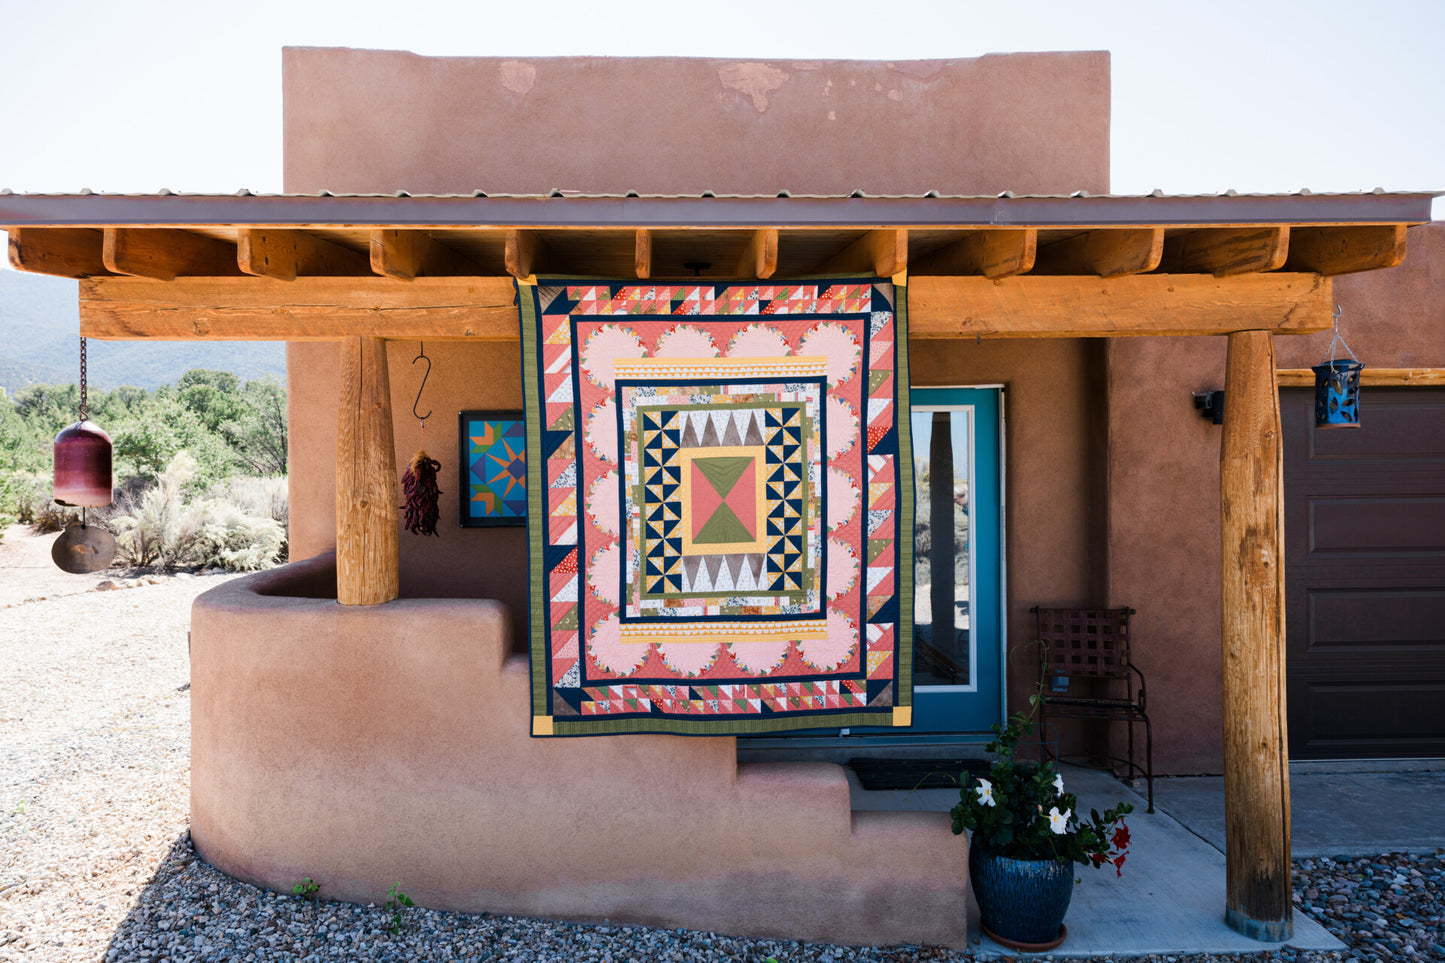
column 1170, row 898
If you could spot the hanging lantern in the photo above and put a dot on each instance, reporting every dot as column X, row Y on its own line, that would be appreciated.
column 82, row 478
column 1337, row 386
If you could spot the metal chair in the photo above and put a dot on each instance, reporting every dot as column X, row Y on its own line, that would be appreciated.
column 1092, row 647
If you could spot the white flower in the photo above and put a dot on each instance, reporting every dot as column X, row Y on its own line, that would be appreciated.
column 1059, row 821
column 1058, row 782
column 985, row 792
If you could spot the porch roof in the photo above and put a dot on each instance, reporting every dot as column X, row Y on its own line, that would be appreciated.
column 984, row 266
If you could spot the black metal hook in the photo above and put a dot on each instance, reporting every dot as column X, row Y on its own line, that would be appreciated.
column 421, row 356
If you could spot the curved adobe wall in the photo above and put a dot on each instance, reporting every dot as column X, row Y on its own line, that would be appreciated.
column 370, row 745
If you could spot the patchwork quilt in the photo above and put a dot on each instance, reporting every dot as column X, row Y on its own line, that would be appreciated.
column 720, row 507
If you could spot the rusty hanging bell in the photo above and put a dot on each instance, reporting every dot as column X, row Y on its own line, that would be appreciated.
column 83, row 465
column 82, row 478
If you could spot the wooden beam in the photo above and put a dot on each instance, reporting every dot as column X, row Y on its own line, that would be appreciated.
column 1227, row 251
column 307, row 309
column 164, row 254
column 398, row 254
column 994, row 254
column 524, row 250
column 642, row 253
column 882, row 253
column 445, row 308
column 1256, row 748
column 1344, row 250
column 283, row 255
column 1370, row 377
column 367, row 546
column 1106, row 253
column 59, row 251
column 1034, row 306
column 760, row 258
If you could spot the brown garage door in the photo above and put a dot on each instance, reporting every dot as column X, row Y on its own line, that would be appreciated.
column 1365, row 571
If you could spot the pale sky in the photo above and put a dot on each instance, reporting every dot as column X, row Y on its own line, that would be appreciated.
column 1256, row 96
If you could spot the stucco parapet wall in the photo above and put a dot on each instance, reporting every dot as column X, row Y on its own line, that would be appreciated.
column 370, row 745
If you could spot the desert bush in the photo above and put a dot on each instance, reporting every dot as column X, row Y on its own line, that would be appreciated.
column 160, row 526
column 23, row 495
column 150, row 527
column 261, row 497
column 231, row 539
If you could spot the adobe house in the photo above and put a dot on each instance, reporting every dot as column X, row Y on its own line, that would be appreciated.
column 363, row 716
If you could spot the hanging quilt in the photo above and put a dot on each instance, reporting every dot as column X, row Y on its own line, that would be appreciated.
column 720, row 507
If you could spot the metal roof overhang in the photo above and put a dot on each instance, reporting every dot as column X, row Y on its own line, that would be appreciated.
column 313, row 267
column 563, row 210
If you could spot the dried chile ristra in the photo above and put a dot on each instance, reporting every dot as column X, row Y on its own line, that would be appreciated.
column 419, row 484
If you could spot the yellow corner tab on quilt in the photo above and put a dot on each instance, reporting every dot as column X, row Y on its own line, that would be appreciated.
column 542, row 725
column 901, row 279
column 903, row 715
column 529, row 279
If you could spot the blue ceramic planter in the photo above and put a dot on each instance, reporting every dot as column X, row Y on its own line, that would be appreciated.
column 1022, row 901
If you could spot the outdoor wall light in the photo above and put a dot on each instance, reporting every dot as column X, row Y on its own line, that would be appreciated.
column 1211, row 406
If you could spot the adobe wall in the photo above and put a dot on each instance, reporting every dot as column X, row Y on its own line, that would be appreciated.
column 1164, row 482
column 368, row 120
column 371, row 746
column 380, row 121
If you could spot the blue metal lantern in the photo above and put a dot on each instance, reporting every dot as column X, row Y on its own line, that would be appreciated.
column 1337, row 386
column 1337, row 394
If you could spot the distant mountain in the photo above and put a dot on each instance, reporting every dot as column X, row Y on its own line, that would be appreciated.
column 39, row 341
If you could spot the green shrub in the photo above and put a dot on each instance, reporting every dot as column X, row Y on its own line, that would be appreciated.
column 161, row 527
column 229, row 538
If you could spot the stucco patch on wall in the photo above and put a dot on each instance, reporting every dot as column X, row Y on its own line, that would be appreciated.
column 753, row 80
column 518, row 76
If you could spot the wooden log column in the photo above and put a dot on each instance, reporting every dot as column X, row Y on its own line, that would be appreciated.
column 1256, row 755
column 367, row 560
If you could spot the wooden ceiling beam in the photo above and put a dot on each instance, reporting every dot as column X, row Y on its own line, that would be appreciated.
column 1370, row 377
column 1227, row 251
column 1344, row 250
column 407, row 255
column 993, row 253
column 307, row 309
column 760, row 258
column 59, row 251
column 286, row 255
column 482, row 309
column 1106, row 253
column 524, row 251
column 398, row 254
column 1046, row 306
column 163, row 254
column 642, row 253
column 882, row 253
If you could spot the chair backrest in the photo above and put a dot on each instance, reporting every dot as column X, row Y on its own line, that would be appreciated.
column 1085, row 642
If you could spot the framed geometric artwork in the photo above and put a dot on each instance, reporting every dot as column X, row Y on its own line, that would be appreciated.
column 493, row 446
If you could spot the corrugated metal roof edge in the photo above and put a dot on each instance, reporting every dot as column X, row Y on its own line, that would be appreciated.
column 562, row 193
column 562, row 209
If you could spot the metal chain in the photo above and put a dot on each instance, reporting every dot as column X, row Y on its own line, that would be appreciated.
column 84, row 407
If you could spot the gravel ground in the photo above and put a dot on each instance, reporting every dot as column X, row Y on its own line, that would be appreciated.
column 96, row 861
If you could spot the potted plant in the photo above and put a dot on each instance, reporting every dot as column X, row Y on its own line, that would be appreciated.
column 1027, row 834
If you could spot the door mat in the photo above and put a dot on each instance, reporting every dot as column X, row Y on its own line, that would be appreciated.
column 877, row 774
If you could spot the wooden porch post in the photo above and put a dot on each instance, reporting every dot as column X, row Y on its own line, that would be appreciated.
column 1256, row 754
column 367, row 560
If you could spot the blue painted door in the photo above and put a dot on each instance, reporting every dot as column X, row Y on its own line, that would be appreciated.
column 957, row 643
